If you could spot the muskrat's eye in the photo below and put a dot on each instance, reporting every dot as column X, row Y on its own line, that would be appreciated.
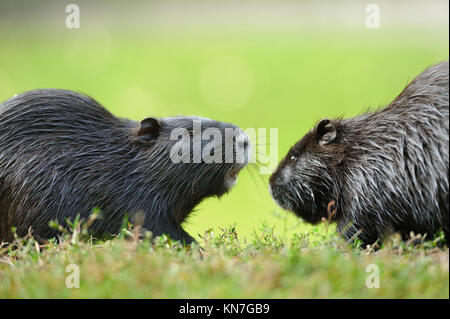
column 293, row 159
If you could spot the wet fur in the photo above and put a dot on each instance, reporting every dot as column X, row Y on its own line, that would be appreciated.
column 386, row 170
column 63, row 154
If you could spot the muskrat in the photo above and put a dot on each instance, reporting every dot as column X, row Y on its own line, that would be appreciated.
column 377, row 173
column 63, row 154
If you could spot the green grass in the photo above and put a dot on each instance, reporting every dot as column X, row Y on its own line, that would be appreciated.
column 223, row 266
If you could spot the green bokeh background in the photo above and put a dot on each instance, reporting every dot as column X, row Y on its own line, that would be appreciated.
column 259, row 77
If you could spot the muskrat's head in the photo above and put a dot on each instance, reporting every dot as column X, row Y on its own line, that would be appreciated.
column 305, row 181
column 190, row 158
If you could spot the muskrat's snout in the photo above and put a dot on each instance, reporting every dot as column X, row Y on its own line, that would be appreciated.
column 241, row 157
column 293, row 194
column 280, row 185
column 242, row 148
column 291, row 187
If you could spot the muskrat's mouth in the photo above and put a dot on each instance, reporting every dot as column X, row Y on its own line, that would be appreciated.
column 232, row 174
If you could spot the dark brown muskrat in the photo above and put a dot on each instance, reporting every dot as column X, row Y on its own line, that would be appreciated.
column 377, row 173
column 63, row 154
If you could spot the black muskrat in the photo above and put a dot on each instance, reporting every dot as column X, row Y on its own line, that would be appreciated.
column 63, row 154
column 377, row 173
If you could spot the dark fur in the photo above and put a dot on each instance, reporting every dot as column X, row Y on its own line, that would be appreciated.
column 387, row 171
column 63, row 154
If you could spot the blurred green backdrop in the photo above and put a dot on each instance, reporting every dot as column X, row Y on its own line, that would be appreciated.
column 260, row 64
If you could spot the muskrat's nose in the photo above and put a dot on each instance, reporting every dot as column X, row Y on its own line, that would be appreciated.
column 243, row 141
column 242, row 147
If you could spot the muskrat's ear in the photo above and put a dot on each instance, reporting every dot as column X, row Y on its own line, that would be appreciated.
column 150, row 128
column 326, row 131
